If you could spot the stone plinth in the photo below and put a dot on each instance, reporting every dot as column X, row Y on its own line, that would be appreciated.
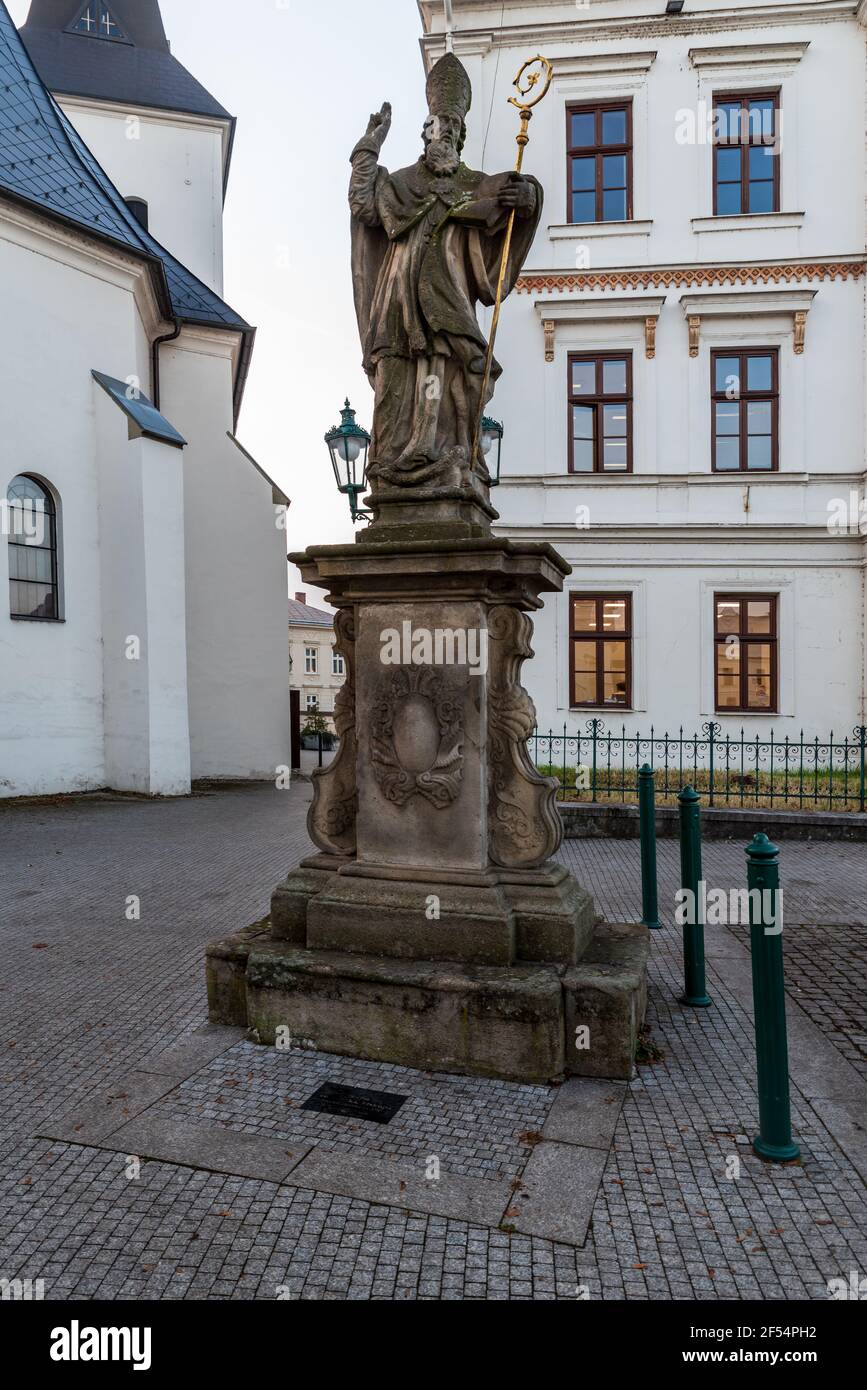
column 434, row 928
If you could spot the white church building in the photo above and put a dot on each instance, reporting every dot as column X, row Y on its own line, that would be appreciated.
column 684, row 361
column 143, row 579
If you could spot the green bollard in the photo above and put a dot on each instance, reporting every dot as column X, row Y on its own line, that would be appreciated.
column 774, row 1140
column 695, row 994
column 647, row 820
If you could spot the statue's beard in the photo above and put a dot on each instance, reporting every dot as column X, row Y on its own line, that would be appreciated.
column 441, row 157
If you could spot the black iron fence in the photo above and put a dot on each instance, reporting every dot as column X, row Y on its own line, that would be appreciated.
column 803, row 773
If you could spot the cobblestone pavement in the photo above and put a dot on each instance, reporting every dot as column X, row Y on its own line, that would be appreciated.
column 824, row 906
column 87, row 994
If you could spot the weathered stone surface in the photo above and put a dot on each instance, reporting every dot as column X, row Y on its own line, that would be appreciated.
column 392, row 917
column 428, row 242
column 607, row 993
column 421, row 737
column 518, row 1022
column 554, row 915
column 584, row 821
column 98, row 1115
column 475, row 1020
column 226, row 971
column 372, row 1178
column 524, row 828
column 196, row 1051
column 585, row 1112
column 290, row 900
column 210, row 1147
column 557, row 1192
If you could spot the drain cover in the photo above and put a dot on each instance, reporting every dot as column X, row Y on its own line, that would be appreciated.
column 355, row 1103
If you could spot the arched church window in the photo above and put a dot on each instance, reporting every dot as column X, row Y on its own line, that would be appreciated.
column 31, row 525
column 139, row 209
column 97, row 21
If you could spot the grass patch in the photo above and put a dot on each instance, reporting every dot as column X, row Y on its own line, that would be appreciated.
column 822, row 791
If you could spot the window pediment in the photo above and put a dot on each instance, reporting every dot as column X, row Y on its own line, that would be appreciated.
column 752, row 304
column 730, row 59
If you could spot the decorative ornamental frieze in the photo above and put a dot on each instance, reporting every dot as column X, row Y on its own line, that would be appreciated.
column 524, row 826
column 417, row 737
column 332, row 815
column 684, row 277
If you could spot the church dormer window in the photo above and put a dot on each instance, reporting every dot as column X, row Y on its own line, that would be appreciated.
column 97, row 20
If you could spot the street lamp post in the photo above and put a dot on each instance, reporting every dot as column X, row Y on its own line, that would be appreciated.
column 348, row 444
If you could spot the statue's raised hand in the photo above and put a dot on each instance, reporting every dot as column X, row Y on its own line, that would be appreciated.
column 380, row 124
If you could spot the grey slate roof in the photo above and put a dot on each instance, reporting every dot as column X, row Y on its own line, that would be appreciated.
column 45, row 164
column 140, row 71
column 302, row 615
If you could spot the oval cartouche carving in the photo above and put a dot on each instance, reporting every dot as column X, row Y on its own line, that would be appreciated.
column 416, row 734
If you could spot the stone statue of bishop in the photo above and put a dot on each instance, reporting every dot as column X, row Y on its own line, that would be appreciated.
column 427, row 246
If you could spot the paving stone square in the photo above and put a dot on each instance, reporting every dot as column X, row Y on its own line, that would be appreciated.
column 471, row 1125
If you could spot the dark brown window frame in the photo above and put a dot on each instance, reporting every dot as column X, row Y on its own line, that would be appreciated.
column 598, row 150
column 745, row 638
column 746, row 144
column 599, row 398
column 744, row 399
column 599, row 639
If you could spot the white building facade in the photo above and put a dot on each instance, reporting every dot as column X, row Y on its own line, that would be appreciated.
column 143, row 640
column 684, row 360
column 316, row 668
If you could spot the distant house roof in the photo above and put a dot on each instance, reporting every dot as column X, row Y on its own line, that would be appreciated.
column 45, row 164
column 74, row 55
column 302, row 615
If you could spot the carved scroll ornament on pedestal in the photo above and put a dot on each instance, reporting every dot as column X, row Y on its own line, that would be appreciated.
column 524, row 824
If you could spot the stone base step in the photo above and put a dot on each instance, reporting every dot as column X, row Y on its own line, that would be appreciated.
column 518, row 1022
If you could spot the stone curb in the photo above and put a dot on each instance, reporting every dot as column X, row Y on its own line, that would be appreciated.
column 613, row 820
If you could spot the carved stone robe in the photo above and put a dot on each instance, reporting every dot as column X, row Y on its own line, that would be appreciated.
column 426, row 248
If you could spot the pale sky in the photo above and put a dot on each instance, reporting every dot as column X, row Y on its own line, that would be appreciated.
column 302, row 78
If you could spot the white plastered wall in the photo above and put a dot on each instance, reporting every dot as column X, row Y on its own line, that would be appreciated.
column 237, row 579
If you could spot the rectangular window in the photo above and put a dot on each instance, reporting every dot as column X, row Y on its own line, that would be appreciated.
column 600, row 412
column 599, row 162
column 746, row 160
column 312, row 704
column 746, row 653
column 338, row 665
column 601, row 651
column 746, row 410
column 32, row 528
column 311, row 661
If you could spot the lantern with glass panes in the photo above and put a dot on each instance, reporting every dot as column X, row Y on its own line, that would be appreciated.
column 348, row 444
column 491, row 442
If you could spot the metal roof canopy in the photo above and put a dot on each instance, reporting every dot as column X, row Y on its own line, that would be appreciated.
column 142, row 414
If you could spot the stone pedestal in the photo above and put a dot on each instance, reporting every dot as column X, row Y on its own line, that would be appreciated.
column 433, row 928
